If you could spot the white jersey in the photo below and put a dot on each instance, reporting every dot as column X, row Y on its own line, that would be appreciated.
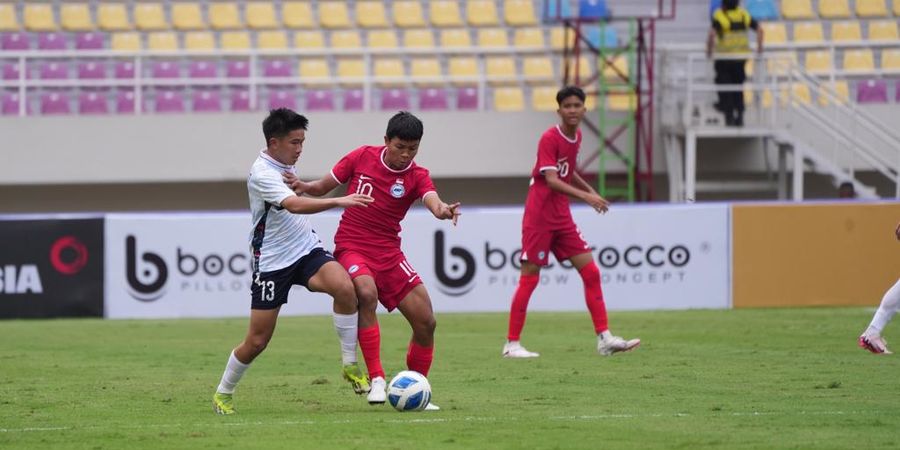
column 278, row 238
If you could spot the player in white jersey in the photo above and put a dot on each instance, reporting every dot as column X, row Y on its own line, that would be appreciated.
column 871, row 339
column 286, row 251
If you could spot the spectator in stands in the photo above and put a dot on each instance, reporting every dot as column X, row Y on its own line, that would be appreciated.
column 846, row 190
column 729, row 37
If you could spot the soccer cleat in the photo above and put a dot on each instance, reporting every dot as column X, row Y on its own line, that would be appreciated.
column 223, row 404
column 377, row 391
column 615, row 344
column 874, row 344
column 356, row 378
column 432, row 407
column 515, row 350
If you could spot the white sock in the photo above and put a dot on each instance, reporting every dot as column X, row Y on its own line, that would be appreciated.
column 604, row 335
column 890, row 303
column 234, row 370
column 347, row 326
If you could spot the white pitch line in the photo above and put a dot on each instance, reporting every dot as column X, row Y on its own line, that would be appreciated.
column 412, row 420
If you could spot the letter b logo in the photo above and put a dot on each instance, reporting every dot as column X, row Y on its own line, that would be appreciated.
column 462, row 270
column 147, row 281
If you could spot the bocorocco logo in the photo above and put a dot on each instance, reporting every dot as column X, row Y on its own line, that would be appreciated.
column 148, row 274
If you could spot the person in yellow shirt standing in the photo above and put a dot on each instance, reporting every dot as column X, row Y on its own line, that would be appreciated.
column 729, row 37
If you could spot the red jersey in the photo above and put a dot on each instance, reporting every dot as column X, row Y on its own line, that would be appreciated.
column 378, row 225
column 546, row 209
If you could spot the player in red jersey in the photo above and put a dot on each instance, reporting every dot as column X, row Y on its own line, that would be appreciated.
column 548, row 227
column 367, row 243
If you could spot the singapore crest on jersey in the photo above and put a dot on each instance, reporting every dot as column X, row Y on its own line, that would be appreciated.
column 397, row 190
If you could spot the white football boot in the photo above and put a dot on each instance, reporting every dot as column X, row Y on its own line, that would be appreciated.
column 615, row 344
column 432, row 407
column 514, row 349
column 377, row 391
column 874, row 343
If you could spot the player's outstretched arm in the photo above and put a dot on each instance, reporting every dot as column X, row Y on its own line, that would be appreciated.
column 315, row 188
column 590, row 197
column 440, row 209
column 306, row 205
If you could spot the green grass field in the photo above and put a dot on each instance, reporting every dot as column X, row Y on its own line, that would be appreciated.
column 789, row 378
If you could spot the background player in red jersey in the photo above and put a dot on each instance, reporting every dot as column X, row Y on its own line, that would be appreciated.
column 548, row 227
column 367, row 243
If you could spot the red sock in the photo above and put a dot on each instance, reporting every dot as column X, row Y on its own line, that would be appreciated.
column 519, row 308
column 419, row 358
column 593, row 296
column 370, row 344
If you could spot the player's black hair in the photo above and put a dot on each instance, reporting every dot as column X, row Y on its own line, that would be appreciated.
column 730, row 4
column 567, row 92
column 282, row 121
column 405, row 126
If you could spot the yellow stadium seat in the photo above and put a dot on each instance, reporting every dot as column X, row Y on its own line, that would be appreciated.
column 309, row 39
column 890, row 59
column 818, row 61
column 543, row 98
column 382, row 39
column 846, row 31
column 529, row 38
column 162, row 40
column 72, row 16
column 797, row 9
column 500, row 70
column 235, row 40
column 617, row 71
column 127, row 41
column 509, row 99
column 445, row 13
column 150, row 16
column 871, row 8
column 39, row 17
column 272, row 40
column 800, row 94
column 334, row 14
column 621, row 101
column 590, row 102
column 408, row 14
column 775, row 32
column 314, row 71
column 199, row 40
column 780, row 63
column 8, row 19
column 859, row 60
column 883, row 30
column 391, row 68
column 345, row 39
column 463, row 66
column 808, row 32
column 897, row 7
column 371, row 14
column 456, row 38
column 297, row 15
column 187, row 16
column 492, row 38
column 482, row 13
column 537, row 69
column 584, row 67
column 557, row 37
column 834, row 9
column 224, row 16
column 418, row 38
column 519, row 12
column 261, row 15
column 840, row 88
column 351, row 71
column 426, row 71
column 748, row 68
column 112, row 17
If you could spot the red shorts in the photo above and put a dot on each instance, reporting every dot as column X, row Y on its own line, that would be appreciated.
column 394, row 275
column 564, row 243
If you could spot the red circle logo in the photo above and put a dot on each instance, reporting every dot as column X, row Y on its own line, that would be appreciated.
column 68, row 255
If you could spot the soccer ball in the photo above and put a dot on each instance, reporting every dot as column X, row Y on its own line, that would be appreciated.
column 409, row 391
